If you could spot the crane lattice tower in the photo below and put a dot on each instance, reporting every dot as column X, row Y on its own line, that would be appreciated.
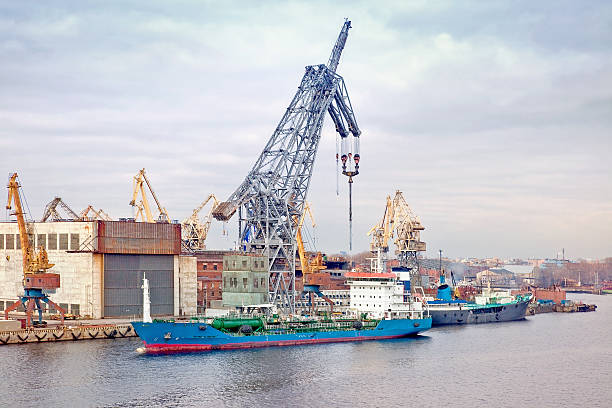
column 271, row 198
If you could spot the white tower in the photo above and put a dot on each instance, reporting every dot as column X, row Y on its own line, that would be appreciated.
column 146, row 301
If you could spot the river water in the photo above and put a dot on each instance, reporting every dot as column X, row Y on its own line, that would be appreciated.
column 554, row 359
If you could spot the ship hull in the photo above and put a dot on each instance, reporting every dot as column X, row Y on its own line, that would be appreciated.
column 460, row 314
column 164, row 337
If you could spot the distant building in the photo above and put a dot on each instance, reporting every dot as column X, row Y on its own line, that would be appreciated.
column 496, row 277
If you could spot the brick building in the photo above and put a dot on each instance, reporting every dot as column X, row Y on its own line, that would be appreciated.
column 210, row 281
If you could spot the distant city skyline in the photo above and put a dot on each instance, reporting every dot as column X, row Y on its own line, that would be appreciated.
column 492, row 118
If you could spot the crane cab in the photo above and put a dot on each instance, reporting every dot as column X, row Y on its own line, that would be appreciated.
column 44, row 281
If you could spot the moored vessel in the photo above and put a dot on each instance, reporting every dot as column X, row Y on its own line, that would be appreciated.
column 489, row 307
column 394, row 313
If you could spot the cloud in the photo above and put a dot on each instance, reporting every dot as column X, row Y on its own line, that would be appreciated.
column 493, row 118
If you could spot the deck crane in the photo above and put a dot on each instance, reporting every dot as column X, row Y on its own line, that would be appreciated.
column 142, row 208
column 51, row 211
column 400, row 222
column 310, row 265
column 193, row 230
column 271, row 199
column 37, row 282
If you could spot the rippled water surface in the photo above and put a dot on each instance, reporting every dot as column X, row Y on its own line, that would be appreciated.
column 553, row 359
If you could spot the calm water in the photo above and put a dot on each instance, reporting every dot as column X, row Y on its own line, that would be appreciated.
column 553, row 359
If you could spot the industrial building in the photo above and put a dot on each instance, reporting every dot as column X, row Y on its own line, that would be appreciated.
column 101, row 266
column 245, row 280
column 210, row 287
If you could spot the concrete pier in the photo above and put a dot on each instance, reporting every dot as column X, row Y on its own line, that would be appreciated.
column 67, row 333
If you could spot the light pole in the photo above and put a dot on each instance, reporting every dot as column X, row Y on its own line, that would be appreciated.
column 440, row 262
column 205, row 296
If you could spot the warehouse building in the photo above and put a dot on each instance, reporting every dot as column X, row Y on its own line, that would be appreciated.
column 102, row 264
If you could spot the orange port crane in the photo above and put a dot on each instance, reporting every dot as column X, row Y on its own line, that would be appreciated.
column 143, row 210
column 37, row 282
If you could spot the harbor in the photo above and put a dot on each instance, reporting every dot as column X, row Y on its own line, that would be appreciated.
column 305, row 204
column 528, row 353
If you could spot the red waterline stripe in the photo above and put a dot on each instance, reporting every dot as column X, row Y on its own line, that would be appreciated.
column 170, row 348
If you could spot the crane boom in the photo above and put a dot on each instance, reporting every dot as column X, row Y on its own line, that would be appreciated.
column 52, row 213
column 162, row 210
column 334, row 58
column 308, row 265
column 194, row 232
column 98, row 214
column 143, row 210
column 13, row 196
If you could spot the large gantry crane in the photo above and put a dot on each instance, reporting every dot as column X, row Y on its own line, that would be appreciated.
column 36, row 280
column 270, row 201
column 400, row 222
column 194, row 231
column 142, row 208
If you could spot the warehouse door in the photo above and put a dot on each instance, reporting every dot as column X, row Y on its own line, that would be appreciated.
column 123, row 284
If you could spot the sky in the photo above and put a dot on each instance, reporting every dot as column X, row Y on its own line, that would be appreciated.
column 493, row 118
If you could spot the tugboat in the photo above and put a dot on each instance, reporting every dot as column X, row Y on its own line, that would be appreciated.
column 488, row 307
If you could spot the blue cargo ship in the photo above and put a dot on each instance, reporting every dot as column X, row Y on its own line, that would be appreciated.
column 391, row 313
column 240, row 333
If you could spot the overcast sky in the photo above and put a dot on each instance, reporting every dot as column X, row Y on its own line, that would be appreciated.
column 493, row 118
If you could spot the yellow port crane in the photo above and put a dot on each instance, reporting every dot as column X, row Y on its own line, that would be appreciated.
column 194, row 231
column 400, row 221
column 382, row 231
column 36, row 280
column 142, row 208
column 309, row 264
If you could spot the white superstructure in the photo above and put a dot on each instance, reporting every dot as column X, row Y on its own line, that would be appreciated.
column 382, row 296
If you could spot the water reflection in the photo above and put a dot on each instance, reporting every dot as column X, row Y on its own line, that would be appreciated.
column 557, row 358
